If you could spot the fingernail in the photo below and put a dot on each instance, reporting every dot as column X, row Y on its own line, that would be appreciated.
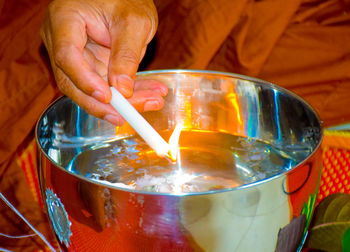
column 99, row 96
column 113, row 119
column 125, row 85
column 151, row 105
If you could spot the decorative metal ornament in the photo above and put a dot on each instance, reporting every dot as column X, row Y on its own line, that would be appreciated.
column 59, row 217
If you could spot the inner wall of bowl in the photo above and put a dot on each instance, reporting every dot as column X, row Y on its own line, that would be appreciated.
column 201, row 100
column 237, row 106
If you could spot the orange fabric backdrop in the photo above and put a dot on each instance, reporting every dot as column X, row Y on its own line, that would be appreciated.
column 301, row 45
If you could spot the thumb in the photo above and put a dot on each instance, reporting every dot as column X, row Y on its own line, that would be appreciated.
column 129, row 38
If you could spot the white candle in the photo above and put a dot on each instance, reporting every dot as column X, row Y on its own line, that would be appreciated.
column 140, row 125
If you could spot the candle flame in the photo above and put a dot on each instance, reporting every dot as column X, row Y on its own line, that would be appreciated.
column 174, row 142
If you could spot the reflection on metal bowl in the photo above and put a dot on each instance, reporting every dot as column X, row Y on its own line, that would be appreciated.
column 249, row 150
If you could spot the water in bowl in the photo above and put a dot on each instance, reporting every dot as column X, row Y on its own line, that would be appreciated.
column 207, row 161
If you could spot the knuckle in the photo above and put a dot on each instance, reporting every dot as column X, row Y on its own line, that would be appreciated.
column 63, row 83
column 127, row 55
column 140, row 19
column 60, row 54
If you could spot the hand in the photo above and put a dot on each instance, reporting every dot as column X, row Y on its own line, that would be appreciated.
column 92, row 41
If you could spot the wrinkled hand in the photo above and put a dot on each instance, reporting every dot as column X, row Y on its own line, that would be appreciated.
column 92, row 41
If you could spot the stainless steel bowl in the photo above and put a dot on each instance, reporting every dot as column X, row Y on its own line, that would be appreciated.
column 270, row 209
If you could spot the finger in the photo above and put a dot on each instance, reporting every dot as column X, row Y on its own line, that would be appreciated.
column 100, row 52
column 68, row 42
column 86, row 102
column 146, row 100
column 98, row 66
column 151, row 85
column 129, row 37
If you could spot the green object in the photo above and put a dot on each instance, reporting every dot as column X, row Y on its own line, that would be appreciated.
column 328, row 237
column 308, row 208
column 331, row 224
column 346, row 241
column 321, row 209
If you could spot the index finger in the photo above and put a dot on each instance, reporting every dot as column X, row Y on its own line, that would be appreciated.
column 68, row 41
column 130, row 35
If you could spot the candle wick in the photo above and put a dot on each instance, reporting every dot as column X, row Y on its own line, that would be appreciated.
column 170, row 160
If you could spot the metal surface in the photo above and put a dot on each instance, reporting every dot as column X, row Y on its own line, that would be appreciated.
column 245, row 218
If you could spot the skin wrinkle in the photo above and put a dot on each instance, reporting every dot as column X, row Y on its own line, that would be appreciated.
column 64, row 87
column 96, row 62
column 125, row 17
column 68, row 13
column 48, row 44
column 87, row 91
column 132, row 55
column 100, row 16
